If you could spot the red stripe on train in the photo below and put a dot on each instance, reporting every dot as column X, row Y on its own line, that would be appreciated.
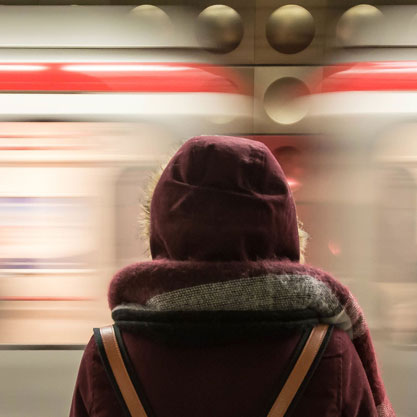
column 118, row 77
column 368, row 76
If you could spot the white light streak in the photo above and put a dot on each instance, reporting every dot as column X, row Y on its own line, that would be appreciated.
column 123, row 68
column 22, row 67
column 126, row 105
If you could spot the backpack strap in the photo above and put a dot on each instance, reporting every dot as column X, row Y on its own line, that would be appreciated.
column 116, row 369
column 302, row 370
column 114, row 363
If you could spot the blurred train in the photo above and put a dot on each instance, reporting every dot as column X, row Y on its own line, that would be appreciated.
column 79, row 141
column 94, row 98
column 368, row 113
column 77, row 144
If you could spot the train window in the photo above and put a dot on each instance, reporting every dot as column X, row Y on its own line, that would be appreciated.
column 131, row 189
column 45, row 234
column 396, row 224
column 396, row 253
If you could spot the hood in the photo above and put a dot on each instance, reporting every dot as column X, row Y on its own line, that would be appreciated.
column 223, row 198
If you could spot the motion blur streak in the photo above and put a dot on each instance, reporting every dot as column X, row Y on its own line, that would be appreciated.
column 129, row 77
column 369, row 76
column 124, row 67
column 94, row 98
column 22, row 67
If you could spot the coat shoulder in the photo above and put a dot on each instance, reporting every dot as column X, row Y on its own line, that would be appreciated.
column 93, row 394
column 339, row 386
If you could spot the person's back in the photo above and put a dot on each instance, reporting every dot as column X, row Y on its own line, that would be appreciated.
column 213, row 324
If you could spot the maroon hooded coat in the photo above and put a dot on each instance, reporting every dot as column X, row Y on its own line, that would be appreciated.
column 211, row 324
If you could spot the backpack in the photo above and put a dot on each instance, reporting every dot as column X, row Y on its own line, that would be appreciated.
column 122, row 375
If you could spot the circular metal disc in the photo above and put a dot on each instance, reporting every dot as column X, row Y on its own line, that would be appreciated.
column 219, row 29
column 281, row 100
column 290, row 29
column 152, row 20
column 360, row 25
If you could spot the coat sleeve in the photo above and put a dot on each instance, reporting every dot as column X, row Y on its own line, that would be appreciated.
column 82, row 400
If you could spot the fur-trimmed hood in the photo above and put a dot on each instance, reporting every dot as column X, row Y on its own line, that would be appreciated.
column 223, row 199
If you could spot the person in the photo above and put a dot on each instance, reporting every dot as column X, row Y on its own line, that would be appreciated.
column 211, row 324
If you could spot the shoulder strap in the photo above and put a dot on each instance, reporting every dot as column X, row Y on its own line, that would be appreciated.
column 121, row 375
column 301, row 368
column 315, row 343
